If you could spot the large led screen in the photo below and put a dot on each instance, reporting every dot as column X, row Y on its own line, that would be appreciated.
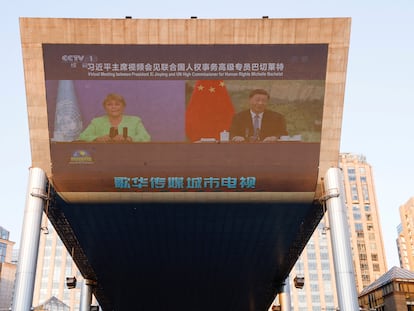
column 185, row 118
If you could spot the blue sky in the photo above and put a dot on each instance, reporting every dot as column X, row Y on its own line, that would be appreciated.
column 379, row 97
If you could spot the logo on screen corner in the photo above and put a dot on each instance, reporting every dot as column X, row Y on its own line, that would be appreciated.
column 77, row 58
column 81, row 157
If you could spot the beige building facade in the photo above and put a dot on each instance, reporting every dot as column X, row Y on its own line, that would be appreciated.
column 7, row 270
column 54, row 264
column 316, row 262
column 364, row 221
column 405, row 240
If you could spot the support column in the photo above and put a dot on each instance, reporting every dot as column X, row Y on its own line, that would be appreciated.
column 284, row 296
column 29, row 242
column 340, row 240
column 86, row 295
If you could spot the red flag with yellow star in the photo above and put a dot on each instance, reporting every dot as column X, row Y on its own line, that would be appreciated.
column 209, row 110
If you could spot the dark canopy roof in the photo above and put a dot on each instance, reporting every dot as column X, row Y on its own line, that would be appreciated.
column 187, row 256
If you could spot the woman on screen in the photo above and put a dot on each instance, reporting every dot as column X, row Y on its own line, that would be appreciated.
column 114, row 126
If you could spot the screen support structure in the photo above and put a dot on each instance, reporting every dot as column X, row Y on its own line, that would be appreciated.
column 29, row 249
column 284, row 296
column 341, row 240
column 86, row 295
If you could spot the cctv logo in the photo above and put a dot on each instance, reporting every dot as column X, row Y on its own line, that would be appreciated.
column 78, row 58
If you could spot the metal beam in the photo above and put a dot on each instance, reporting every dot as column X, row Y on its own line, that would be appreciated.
column 29, row 243
column 341, row 240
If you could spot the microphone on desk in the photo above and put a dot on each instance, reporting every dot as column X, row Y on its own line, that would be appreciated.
column 257, row 134
column 113, row 131
column 254, row 137
column 246, row 133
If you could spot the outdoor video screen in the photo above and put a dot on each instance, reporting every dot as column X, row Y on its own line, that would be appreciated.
column 187, row 118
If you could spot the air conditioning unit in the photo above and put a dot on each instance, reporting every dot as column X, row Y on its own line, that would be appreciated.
column 299, row 281
column 71, row 282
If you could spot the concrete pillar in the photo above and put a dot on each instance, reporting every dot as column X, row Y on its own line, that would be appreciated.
column 86, row 295
column 29, row 242
column 284, row 296
column 341, row 240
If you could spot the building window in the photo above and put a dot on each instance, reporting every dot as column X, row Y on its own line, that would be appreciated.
column 356, row 212
column 365, row 278
column 311, row 244
column 49, row 242
column 374, row 257
column 361, row 247
column 365, row 192
column 66, row 297
column 358, row 227
column 360, row 234
column 58, row 252
column 4, row 234
column 351, row 174
column 326, row 277
column 43, row 297
column 68, row 270
column 313, row 276
column 387, row 289
column 354, row 192
column 327, row 287
column 45, row 272
column 3, row 249
column 316, row 298
column 48, row 252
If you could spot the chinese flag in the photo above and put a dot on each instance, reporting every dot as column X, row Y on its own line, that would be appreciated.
column 209, row 110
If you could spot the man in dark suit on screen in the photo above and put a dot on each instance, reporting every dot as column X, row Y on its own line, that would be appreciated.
column 258, row 123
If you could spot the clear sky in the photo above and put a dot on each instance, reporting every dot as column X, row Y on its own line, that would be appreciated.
column 378, row 119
